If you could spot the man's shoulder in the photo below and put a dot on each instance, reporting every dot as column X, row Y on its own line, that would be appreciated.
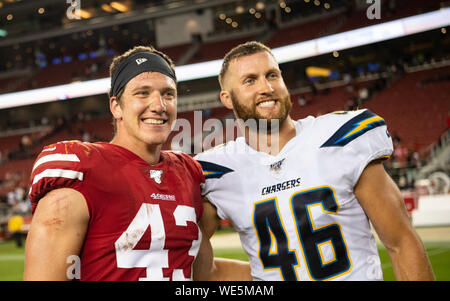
column 178, row 158
column 340, row 128
column 183, row 161
column 60, row 165
column 73, row 147
column 346, row 126
column 224, row 150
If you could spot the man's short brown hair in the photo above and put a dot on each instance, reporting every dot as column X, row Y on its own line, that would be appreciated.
column 241, row 50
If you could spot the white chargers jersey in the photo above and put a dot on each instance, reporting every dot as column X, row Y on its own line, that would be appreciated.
column 296, row 213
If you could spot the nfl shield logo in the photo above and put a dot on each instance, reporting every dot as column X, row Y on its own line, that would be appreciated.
column 156, row 175
column 276, row 167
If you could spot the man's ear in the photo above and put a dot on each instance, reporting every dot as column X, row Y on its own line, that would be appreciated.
column 115, row 107
column 225, row 98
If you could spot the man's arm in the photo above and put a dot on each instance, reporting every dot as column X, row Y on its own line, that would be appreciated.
column 382, row 201
column 206, row 267
column 57, row 231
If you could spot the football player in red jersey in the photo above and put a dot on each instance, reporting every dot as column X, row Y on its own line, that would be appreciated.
column 123, row 210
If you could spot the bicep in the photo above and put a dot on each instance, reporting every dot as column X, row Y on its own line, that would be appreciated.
column 57, row 231
column 382, row 201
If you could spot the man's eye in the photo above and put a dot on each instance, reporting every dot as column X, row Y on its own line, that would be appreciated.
column 169, row 94
column 249, row 81
column 142, row 93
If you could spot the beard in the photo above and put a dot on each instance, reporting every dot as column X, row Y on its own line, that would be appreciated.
column 251, row 113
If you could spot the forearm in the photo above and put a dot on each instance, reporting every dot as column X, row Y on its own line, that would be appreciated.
column 203, row 263
column 230, row 270
column 410, row 261
column 45, row 257
column 383, row 203
column 208, row 268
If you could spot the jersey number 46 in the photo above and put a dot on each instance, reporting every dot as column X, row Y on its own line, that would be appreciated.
column 271, row 232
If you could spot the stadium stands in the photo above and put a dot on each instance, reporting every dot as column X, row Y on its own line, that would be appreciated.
column 414, row 106
column 215, row 50
column 317, row 27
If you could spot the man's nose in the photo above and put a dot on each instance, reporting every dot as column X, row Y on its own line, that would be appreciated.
column 157, row 103
column 265, row 86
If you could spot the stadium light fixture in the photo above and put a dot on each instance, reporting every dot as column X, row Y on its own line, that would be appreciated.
column 107, row 8
column 85, row 14
column 119, row 6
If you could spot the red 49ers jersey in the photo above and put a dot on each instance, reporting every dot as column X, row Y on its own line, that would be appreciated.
column 143, row 218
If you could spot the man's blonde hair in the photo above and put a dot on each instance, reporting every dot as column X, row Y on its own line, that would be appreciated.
column 241, row 50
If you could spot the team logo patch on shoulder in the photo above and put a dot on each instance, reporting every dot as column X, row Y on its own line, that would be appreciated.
column 211, row 170
column 156, row 174
column 354, row 128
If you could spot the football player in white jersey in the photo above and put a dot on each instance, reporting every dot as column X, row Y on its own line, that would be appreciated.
column 303, row 207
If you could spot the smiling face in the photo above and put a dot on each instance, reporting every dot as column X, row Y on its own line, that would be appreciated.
column 254, row 88
column 146, row 110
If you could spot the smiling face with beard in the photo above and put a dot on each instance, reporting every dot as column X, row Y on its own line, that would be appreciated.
column 254, row 89
column 250, row 112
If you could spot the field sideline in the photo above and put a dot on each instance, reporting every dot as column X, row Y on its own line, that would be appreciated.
column 436, row 241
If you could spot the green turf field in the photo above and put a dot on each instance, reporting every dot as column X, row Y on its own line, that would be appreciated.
column 12, row 260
